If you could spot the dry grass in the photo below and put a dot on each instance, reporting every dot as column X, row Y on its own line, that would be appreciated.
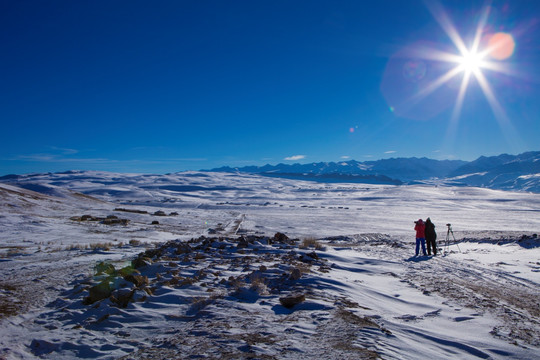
column 13, row 251
column 134, row 242
column 311, row 242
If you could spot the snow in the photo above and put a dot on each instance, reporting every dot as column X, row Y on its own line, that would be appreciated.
column 365, row 294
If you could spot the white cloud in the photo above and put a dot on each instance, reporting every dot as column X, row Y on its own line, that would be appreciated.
column 345, row 157
column 390, row 152
column 295, row 157
column 65, row 151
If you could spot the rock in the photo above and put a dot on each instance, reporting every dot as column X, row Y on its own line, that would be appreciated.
column 183, row 248
column 242, row 243
column 280, row 237
column 98, row 292
column 174, row 213
column 295, row 274
column 113, row 221
column 138, row 280
column 309, row 257
column 121, row 297
column 141, row 262
column 155, row 222
column 139, row 295
column 262, row 268
column 104, row 268
column 159, row 213
column 128, row 270
column 292, row 300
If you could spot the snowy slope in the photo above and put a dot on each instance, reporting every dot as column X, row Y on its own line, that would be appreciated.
column 213, row 294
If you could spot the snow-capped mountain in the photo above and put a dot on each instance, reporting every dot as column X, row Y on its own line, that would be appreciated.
column 508, row 172
column 402, row 169
column 505, row 172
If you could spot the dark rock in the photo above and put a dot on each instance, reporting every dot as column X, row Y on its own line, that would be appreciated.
column 98, row 292
column 155, row 222
column 122, row 297
column 131, row 211
column 138, row 280
column 128, row 270
column 242, row 243
column 141, row 262
column 183, row 248
column 280, row 237
column 104, row 268
column 292, row 300
column 160, row 213
column 295, row 274
column 113, row 221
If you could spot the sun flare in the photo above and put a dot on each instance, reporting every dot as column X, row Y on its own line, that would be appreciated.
column 471, row 61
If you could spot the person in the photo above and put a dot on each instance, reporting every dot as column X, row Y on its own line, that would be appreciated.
column 420, row 236
column 431, row 236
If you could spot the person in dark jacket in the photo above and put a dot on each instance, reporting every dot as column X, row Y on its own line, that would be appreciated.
column 420, row 236
column 431, row 236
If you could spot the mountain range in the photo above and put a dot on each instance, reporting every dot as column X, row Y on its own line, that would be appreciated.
column 506, row 172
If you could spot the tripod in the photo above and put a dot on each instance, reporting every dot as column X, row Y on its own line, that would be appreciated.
column 447, row 242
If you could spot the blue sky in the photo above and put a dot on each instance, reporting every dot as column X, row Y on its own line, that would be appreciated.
column 165, row 86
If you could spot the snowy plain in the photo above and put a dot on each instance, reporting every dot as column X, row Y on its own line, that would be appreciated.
column 365, row 295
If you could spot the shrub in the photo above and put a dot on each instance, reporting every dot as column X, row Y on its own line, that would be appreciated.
column 311, row 242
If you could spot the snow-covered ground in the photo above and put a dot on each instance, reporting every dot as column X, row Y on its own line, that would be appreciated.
column 348, row 258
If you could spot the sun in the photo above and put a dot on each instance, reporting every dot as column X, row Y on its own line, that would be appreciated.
column 471, row 62
column 486, row 52
column 432, row 73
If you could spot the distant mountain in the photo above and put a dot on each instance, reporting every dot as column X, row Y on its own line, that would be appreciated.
column 395, row 169
column 506, row 172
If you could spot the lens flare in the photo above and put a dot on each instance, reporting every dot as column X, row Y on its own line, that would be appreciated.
column 421, row 78
column 501, row 46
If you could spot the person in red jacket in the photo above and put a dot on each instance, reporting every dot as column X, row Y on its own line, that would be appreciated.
column 420, row 228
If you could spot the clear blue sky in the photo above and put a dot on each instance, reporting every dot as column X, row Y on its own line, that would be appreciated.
column 165, row 86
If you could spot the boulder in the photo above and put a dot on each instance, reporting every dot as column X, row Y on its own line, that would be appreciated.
column 121, row 297
column 98, row 292
column 292, row 300
column 140, row 262
column 138, row 280
column 104, row 268
column 280, row 237
column 295, row 274
column 128, row 270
